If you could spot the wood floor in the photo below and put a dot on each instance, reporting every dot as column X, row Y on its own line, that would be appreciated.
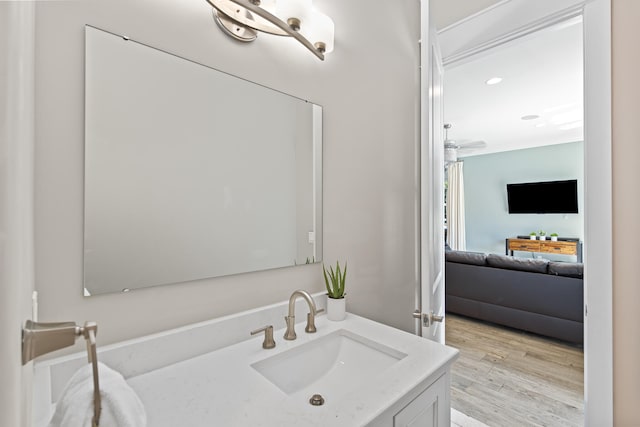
column 506, row 377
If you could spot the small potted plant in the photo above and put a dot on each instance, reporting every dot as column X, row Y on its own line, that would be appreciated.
column 542, row 234
column 532, row 235
column 554, row 237
column 335, row 281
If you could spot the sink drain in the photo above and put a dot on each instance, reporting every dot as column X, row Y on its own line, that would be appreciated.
column 316, row 400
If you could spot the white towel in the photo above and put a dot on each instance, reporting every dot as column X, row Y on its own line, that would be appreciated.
column 121, row 406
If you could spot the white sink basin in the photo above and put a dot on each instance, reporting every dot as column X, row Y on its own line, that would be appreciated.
column 332, row 365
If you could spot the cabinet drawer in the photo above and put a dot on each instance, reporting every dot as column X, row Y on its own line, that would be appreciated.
column 523, row 245
column 568, row 248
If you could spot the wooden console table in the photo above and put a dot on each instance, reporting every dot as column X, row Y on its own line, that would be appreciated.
column 562, row 247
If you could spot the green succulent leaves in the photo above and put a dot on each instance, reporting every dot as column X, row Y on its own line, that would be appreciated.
column 335, row 280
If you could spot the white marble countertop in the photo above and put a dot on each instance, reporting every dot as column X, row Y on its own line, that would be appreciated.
column 221, row 388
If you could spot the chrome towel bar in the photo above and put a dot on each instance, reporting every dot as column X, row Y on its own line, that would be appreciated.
column 42, row 338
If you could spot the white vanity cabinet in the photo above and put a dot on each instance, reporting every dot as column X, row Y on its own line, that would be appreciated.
column 431, row 408
column 427, row 405
column 369, row 374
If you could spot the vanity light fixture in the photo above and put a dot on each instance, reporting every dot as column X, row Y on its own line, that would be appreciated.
column 243, row 19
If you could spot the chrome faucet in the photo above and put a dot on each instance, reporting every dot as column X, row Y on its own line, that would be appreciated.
column 290, row 333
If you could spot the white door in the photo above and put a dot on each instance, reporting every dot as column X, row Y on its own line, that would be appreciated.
column 430, row 312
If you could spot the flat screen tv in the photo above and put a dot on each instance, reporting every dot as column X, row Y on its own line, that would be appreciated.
column 559, row 197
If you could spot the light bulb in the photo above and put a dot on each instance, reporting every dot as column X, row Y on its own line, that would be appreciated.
column 319, row 30
column 450, row 155
column 294, row 12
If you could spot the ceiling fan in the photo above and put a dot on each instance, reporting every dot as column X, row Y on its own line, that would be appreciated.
column 452, row 148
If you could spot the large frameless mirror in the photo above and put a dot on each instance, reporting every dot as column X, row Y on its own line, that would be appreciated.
column 192, row 173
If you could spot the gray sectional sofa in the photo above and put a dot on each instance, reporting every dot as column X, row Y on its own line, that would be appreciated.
column 534, row 295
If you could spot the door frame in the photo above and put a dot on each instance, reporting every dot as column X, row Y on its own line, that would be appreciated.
column 481, row 32
column 17, row 86
column 430, row 290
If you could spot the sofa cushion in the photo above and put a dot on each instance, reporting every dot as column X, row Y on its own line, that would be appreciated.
column 462, row 257
column 569, row 269
column 521, row 264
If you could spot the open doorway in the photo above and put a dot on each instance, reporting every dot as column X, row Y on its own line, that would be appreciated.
column 515, row 114
column 516, row 117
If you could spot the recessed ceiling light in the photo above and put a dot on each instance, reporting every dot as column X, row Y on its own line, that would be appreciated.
column 494, row 80
column 540, row 125
column 530, row 117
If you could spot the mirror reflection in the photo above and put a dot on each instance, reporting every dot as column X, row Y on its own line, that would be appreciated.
column 192, row 173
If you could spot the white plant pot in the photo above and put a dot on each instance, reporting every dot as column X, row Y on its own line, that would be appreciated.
column 336, row 309
column 554, row 238
column 543, row 237
column 532, row 237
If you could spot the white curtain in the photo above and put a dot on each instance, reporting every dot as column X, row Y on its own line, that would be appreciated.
column 455, row 207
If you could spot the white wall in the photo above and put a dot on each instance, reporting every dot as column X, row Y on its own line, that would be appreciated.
column 488, row 221
column 368, row 88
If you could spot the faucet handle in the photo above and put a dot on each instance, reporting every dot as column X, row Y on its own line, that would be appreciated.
column 268, row 342
column 311, row 321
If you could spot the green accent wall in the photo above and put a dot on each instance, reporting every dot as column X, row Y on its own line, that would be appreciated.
column 488, row 221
